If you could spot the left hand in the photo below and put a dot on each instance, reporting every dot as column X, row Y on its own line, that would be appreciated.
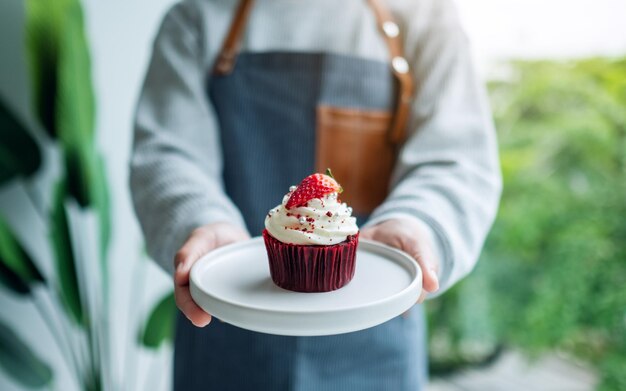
column 409, row 236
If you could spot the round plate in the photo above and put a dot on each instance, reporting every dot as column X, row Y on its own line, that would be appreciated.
column 233, row 283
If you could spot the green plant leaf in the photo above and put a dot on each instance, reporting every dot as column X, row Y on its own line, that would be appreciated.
column 17, row 269
column 87, row 184
column 20, row 362
column 44, row 24
column 12, row 281
column 60, row 62
column 553, row 265
column 87, row 178
column 65, row 260
column 63, row 91
column 160, row 325
column 76, row 103
column 76, row 107
column 78, row 167
column 102, row 204
column 19, row 153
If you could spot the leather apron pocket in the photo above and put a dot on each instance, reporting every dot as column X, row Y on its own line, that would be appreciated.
column 354, row 144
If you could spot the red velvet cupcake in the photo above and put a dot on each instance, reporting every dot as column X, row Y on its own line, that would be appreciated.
column 311, row 237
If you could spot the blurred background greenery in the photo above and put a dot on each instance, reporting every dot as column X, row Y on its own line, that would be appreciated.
column 553, row 271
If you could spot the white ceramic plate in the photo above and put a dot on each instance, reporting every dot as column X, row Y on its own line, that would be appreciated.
column 233, row 283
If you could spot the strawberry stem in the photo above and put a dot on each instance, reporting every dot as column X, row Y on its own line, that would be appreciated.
column 330, row 174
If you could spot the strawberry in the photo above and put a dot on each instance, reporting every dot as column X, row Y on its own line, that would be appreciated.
column 313, row 186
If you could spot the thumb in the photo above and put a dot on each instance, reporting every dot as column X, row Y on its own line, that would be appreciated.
column 422, row 253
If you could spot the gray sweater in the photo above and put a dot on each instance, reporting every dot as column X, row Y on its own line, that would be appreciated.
column 447, row 175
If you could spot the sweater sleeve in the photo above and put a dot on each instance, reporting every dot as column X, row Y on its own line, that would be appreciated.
column 176, row 163
column 447, row 174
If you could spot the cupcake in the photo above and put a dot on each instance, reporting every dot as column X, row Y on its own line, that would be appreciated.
column 311, row 237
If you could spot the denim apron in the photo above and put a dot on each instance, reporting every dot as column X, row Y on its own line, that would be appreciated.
column 266, row 112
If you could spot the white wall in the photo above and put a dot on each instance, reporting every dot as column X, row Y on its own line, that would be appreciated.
column 544, row 28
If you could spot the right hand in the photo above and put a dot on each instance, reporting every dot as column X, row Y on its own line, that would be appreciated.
column 201, row 241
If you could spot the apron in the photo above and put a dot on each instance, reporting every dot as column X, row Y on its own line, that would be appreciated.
column 272, row 108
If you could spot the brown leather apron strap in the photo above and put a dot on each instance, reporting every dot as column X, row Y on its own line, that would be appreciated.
column 227, row 57
column 400, row 67
column 225, row 61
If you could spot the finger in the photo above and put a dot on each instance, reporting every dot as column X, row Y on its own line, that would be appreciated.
column 416, row 249
column 430, row 280
column 424, row 257
column 422, row 297
column 185, row 303
column 192, row 250
column 392, row 238
column 232, row 235
column 411, row 241
column 367, row 233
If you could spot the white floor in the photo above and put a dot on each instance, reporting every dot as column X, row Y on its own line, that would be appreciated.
column 513, row 372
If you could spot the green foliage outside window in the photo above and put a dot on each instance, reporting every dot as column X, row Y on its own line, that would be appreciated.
column 553, row 272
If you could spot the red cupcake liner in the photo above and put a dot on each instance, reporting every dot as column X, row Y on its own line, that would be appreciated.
column 309, row 268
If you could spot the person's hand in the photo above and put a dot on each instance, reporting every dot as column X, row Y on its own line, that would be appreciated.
column 408, row 236
column 201, row 241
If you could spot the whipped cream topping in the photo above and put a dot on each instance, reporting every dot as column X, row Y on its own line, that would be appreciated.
column 322, row 221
